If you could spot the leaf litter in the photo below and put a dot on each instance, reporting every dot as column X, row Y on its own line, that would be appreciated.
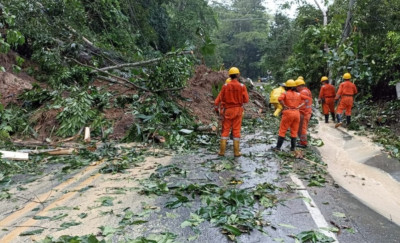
column 233, row 210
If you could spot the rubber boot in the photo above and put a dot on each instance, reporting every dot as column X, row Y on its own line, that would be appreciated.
column 236, row 151
column 339, row 120
column 292, row 144
column 279, row 143
column 333, row 116
column 348, row 120
column 326, row 118
column 222, row 147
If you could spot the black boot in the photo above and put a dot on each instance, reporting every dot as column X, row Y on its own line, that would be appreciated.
column 333, row 116
column 326, row 118
column 339, row 120
column 348, row 120
column 292, row 144
column 279, row 143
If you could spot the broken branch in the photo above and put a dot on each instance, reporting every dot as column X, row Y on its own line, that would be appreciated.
column 142, row 63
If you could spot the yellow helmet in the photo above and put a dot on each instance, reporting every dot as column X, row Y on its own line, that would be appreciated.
column 228, row 80
column 300, row 82
column 300, row 77
column 234, row 70
column 347, row 76
column 324, row 78
column 290, row 83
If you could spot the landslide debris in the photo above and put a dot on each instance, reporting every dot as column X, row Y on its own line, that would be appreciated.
column 197, row 98
column 200, row 99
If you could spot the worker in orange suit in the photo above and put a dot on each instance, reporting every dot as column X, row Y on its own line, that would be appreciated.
column 345, row 93
column 327, row 98
column 221, row 108
column 305, row 112
column 291, row 102
column 218, row 100
column 233, row 95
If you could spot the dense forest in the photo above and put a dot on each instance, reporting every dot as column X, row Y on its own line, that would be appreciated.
column 152, row 47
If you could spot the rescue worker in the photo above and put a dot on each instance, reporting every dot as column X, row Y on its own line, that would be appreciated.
column 305, row 112
column 221, row 108
column 327, row 98
column 233, row 95
column 291, row 102
column 345, row 95
column 273, row 98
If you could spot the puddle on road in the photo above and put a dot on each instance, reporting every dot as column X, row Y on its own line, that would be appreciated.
column 345, row 155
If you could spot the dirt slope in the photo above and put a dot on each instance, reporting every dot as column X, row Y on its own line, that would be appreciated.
column 200, row 100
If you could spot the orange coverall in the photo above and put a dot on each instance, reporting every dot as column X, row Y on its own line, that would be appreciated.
column 219, row 104
column 305, row 115
column 346, row 92
column 233, row 95
column 327, row 95
column 291, row 115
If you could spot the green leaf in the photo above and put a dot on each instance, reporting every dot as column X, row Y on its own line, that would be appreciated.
column 59, row 216
column 107, row 230
column 36, row 217
column 339, row 215
column 287, row 226
column 233, row 230
column 32, row 232
column 66, row 225
column 106, row 201
column 82, row 215
column 185, row 224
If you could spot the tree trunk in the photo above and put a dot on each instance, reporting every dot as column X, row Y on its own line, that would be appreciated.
column 347, row 25
column 326, row 48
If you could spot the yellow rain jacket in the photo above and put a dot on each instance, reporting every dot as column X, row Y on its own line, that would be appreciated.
column 273, row 98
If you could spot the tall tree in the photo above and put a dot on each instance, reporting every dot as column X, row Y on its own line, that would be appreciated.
column 242, row 35
column 280, row 42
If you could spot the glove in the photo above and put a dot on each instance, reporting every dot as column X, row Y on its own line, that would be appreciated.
column 216, row 110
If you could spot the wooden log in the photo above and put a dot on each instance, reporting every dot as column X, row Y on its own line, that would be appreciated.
column 87, row 135
column 62, row 151
column 57, row 151
column 258, row 104
column 14, row 155
column 206, row 128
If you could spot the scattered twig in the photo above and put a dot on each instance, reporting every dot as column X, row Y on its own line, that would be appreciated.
column 70, row 138
column 312, row 162
column 28, row 199
column 29, row 226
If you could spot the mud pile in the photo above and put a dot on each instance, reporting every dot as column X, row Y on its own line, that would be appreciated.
column 200, row 100
column 11, row 84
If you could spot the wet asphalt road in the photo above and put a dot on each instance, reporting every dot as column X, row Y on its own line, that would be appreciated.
column 288, row 218
column 358, row 223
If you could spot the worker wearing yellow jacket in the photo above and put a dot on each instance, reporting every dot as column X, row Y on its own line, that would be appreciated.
column 273, row 98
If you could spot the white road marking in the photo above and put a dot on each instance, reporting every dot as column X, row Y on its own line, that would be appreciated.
column 313, row 209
